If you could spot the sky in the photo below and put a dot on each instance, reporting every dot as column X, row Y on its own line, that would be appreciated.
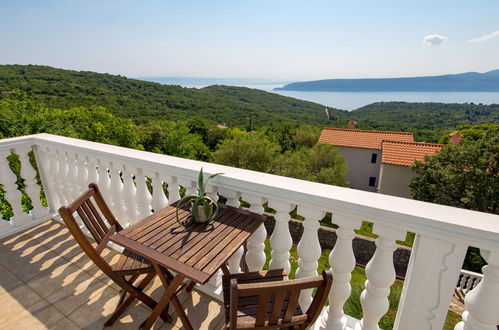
column 282, row 40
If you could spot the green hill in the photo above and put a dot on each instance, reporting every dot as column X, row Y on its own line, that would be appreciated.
column 142, row 100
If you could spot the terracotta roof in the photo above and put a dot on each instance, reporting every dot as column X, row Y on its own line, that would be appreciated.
column 405, row 153
column 360, row 138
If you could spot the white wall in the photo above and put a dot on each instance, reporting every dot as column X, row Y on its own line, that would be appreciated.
column 395, row 180
column 360, row 167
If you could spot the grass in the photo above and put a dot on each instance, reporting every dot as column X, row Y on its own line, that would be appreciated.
column 352, row 306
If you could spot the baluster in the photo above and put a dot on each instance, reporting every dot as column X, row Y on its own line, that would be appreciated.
column 482, row 303
column 28, row 173
column 342, row 261
column 380, row 274
column 129, row 193
column 42, row 157
column 55, row 175
column 173, row 189
column 159, row 199
column 12, row 194
column 233, row 200
column 255, row 256
column 104, row 182
column 73, row 176
column 191, row 187
column 64, row 177
column 116, row 190
column 309, row 250
column 143, row 196
column 280, row 240
column 4, row 224
column 93, row 174
column 82, row 178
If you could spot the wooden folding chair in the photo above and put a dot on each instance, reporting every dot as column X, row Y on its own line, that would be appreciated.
column 101, row 226
column 268, row 300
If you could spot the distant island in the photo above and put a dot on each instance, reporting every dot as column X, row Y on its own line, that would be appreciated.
column 463, row 82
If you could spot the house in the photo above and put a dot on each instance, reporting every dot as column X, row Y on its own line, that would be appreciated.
column 396, row 160
column 362, row 152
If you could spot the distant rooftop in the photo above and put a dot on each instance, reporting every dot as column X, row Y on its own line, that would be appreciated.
column 361, row 138
column 405, row 153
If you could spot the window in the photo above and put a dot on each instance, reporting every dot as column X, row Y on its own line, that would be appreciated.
column 372, row 181
column 374, row 157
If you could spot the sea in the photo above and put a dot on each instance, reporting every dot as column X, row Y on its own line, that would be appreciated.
column 340, row 100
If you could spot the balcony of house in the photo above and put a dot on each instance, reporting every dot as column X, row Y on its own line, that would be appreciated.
column 48, row 282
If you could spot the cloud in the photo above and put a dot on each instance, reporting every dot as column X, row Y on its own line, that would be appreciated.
column 485, row 37
column 434, row 39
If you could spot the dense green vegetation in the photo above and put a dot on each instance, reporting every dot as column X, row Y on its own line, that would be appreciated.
column 143, row 101
column 428, row 121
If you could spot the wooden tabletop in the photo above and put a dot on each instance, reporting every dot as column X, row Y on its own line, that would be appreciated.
column 196, row 251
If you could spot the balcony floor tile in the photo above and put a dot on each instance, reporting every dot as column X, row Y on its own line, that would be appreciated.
column 46, row 282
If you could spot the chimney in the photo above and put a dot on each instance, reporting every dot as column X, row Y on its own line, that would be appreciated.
column 352, row 124
column 455, row 137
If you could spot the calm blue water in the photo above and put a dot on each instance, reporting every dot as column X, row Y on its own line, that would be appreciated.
column 340, row 100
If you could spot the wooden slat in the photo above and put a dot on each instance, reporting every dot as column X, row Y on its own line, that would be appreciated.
column 97, row 215
column 202, row 242
column 291, row 305
column 261, row 313
column 228, row 248
column 164, row 260
column 89, row 225
column 151, row 229
column 191, row 240
column 93, row 220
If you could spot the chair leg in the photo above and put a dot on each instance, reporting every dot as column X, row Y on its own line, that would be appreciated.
column 135, row 294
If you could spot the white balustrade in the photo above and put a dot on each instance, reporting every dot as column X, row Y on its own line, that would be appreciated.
column 55, row 179
column 93, row 173
column 12, row 194
column 482, row 303
column 74, row 176
column 28, row 173
column 64, row 181
column 159, row 199
column 342, row 261
column 255, row 256
column 309, row 250
column 116, row 191
column 233, row 200
column 172, row 188
column 42, row 156
column 82, row 179
column 129, row 195
column 443, row 233
column 281, row 240
column 104, row 182
column 380, row 274
column 143, row 197
column 468, row 280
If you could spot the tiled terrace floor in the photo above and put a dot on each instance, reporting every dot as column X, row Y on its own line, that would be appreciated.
column 46, row 281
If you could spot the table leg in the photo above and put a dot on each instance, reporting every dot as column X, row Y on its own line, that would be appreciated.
column 169, row 295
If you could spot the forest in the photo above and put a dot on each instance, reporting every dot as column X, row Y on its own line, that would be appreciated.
column 143, row 102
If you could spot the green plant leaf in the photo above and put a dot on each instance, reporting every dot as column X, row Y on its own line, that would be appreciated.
column 201, row 185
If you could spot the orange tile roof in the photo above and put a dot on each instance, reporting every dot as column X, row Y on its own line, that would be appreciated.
column 405, row 153
column 360, row 138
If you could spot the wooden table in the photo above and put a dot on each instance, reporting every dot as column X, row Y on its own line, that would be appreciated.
column 194, row 252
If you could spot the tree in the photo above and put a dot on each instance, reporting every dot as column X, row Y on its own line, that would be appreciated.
column 465, row 175
column 251, row 151
column 321, row 163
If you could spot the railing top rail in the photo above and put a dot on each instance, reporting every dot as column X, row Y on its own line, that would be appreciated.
column 474, row 228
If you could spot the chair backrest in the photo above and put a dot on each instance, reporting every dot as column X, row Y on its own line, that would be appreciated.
column 278, row 301
column 97, row 218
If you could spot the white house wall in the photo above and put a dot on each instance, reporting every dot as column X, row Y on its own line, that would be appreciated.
column 395, row 180
column 360, row 167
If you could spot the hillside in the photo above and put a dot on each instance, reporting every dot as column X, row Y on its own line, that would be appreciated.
column 142, row 100
column 463, row 82
column 425, row 115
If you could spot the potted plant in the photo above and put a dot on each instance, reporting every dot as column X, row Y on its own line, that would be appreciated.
column 203, row 208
